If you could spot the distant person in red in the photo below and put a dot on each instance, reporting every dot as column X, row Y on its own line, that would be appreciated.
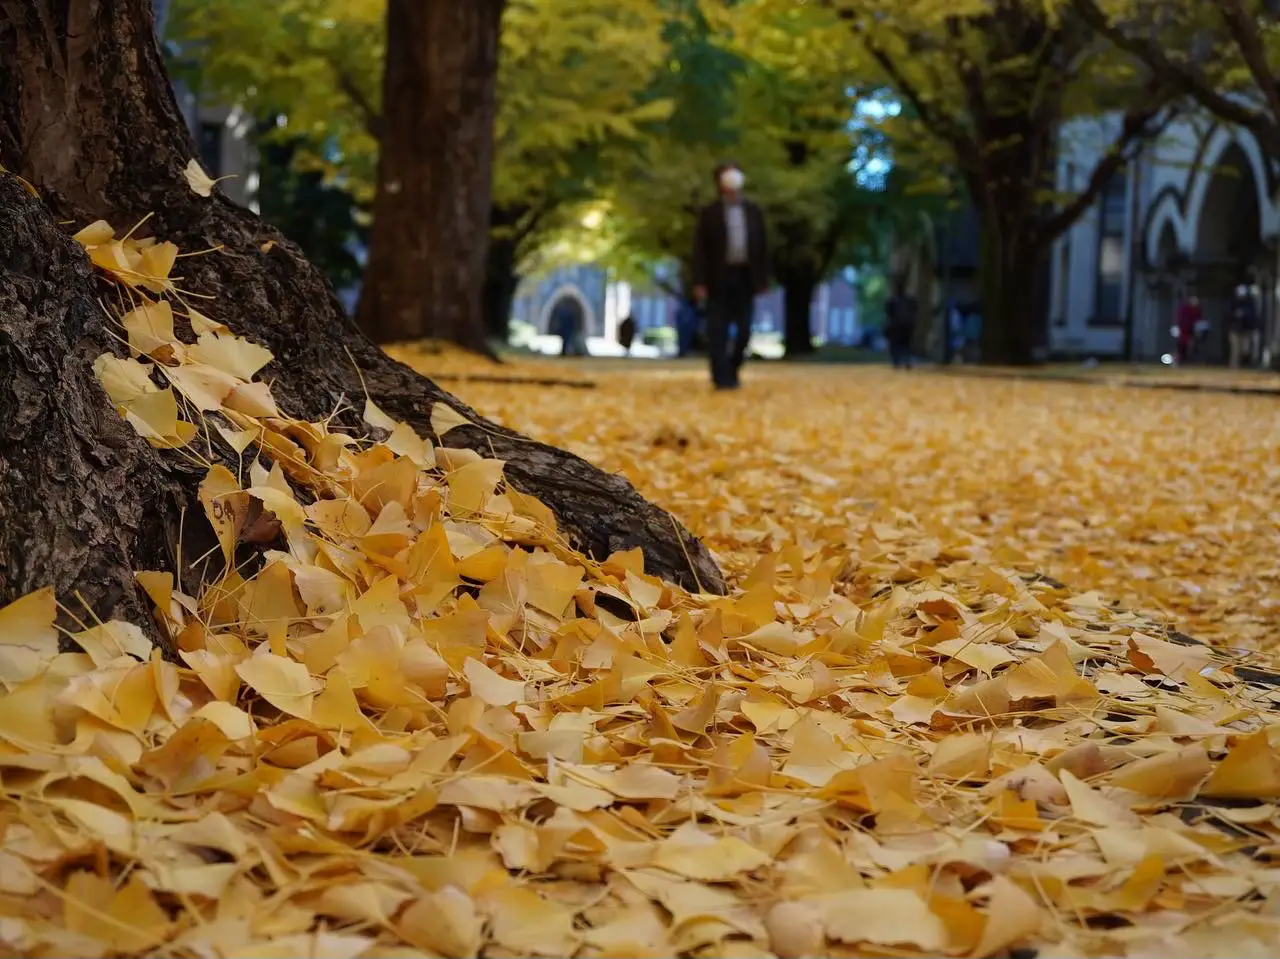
column 1189, row 316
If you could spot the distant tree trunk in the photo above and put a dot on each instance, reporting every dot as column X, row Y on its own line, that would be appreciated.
column 797, row 271
column 1010, row 271
column 500, row 283
column 89, row 119
column 426, row 271
column 1008, row 190
column 798, row 287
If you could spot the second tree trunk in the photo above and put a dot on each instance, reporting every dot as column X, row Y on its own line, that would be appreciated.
column 435, row 173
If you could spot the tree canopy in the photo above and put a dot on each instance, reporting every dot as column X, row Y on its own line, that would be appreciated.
column 753, row 87
column 619, row 105
column 1224, row 55
column 624, row 107
column 989, row 85
column 573, row 81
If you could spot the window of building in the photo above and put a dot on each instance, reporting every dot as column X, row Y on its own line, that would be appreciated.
column 210, row 144
column 1109, row 305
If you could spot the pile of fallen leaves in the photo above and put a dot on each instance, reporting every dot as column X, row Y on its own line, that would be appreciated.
column 428, row 727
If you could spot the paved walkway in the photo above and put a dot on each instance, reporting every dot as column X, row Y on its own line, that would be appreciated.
column 1193, row 379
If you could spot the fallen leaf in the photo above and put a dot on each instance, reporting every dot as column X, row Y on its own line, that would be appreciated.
column 283, row 683
column 200, row 182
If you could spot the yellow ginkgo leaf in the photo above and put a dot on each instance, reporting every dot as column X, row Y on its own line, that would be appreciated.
column 123, row 379
column 200, row 182
column 204, row 387
column 1251, row 770
column 28, row 639
column 225, row 506
column 444, row 922
column 230, row 354
column 153, row 415
column 115, row 258
column 109, row 641
column 96, row 233
column 285, row 684
column 887, row 917
column 252, row 399
column 203, row 324
column 154, row 266
column 694, row 854
column 403, row 441
column 490, row 687
column 445, row 418
column 1012, row 916
column 374, row 416
column 471, row 486
column 127, row 919
column 150, row 327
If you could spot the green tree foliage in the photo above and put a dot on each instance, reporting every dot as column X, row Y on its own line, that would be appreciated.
column 795, row 108
column 652, row 199
column 317, row 213
column 990, row 84
column 757, row 91
column 575, row 89
column 1224, row 54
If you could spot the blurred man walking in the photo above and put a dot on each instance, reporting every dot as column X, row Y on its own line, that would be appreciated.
column 730, row 268
column 1243, row 327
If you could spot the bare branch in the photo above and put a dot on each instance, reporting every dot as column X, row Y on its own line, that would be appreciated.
column 1140, row 124
column 944, row 126
column 370, row 116
column 1243, row 28
column 1182, row 76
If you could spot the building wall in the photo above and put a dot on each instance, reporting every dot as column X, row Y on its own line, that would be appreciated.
column 1193, row 214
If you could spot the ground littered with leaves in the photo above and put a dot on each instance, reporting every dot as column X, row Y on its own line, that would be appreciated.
column 425, row 726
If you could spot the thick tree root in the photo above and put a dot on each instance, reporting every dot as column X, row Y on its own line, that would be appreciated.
column 85, row 502
column 93, row 125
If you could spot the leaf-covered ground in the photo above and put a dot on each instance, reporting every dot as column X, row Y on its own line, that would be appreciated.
column 424, row 726
column 1165, row 501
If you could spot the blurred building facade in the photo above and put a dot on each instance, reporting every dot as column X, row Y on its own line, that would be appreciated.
column 606, row 302
column 1195, row 214
column 937, row 258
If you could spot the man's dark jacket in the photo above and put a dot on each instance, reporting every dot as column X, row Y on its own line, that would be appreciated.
column 709, row 248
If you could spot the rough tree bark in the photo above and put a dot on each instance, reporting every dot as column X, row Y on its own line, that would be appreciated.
column 83, row 499
column 430, row 238
column 88, row 117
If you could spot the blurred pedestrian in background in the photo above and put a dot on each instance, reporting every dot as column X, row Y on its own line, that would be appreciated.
column 1243, row 327
column 900, row 315
column 627, row 333
column 730, row 268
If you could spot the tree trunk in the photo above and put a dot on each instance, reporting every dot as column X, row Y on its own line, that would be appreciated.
column 1009, row 277
column 84, row 500
column 797, row 298
column 427, row 257
column 90, row 120
column 500, row 283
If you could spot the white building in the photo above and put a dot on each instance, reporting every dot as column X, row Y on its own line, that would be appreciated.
column 1196, row 213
